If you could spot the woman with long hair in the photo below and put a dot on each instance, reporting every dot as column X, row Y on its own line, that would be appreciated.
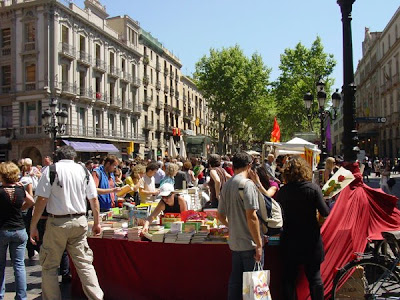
column 13, row 200
column 301, row 239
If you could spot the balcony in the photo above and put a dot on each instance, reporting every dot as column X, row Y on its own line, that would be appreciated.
column 177, row 95
column 125, row 76
column 177, row 111
column 172, row 91
column 114, row 71
column 158, row 85
column 29, row 46
column 115, row 102
column 159, row 105
column 147, row 100
column 30, row 132
column 146, row 79
column 146, row 59
column 127, row 105
column 176, row 78
column 30, row 86
column 160, row 127
column 67, row 50
column 137, row 109
column 5, row 90
column 148, row 125
column 6, row 51
column 68, row 89
column 187, row 115
column 184, row 98
column 166, row 89
column 91, row 132
column 101, row 99
column 136, row 82
column 85, row 58
column 172, row 75
column 168, row 107
column 158, row 67
column 166, row 71
column 100, row 65
column 86, row 94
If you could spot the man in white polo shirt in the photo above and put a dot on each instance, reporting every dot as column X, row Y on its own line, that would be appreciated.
column 66, row 226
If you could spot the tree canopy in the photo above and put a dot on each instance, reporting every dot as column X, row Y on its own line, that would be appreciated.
column 301, row 68
column 236, row 88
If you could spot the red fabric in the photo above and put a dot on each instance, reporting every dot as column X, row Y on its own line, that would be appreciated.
column 145, row 270
column 360, row 214
column 276, row 132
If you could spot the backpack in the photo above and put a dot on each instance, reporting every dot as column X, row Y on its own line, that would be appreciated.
column 269, row 213
column 53, row 174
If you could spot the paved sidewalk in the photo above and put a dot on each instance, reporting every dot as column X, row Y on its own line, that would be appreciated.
column 33, row 280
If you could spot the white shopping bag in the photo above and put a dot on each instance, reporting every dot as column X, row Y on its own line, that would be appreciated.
column 256, row 284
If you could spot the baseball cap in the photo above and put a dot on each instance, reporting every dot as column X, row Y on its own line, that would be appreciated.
column 166, row 189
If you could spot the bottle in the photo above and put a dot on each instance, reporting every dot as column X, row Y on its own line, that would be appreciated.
column 184, row 184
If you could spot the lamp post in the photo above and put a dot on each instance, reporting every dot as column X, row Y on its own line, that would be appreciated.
column 54, row 122
column 322, row 115
column 350, row 139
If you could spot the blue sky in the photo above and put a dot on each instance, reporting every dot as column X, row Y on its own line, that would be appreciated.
column 189, row 28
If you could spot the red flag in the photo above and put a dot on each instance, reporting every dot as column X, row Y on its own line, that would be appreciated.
column 276, row 132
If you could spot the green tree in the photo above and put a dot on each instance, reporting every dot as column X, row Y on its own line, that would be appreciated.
column 234, row 86
column 301, row 68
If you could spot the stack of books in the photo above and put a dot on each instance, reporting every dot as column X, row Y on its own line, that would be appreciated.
column 134, row 233
column 108, row 233
column 200, row 237
column 158, row 236
column 170, row 237
column 119, row 234
column 184, row 237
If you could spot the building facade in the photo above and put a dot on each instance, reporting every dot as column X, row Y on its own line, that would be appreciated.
column 116, row 82
column 378, row 91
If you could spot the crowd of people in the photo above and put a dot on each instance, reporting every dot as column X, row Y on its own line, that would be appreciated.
column 64, row 191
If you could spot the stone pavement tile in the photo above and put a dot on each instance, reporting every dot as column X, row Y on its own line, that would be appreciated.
column 33, row 280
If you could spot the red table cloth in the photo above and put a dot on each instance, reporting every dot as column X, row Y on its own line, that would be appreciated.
column 145, row 270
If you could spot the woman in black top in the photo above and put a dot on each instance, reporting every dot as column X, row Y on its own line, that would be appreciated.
column 170, row 203
column 301, row 239
column 13, row 199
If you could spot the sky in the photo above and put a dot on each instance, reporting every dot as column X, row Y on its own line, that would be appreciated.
column 190, row 28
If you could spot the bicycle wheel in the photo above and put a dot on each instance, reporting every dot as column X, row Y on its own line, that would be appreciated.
column 366, row 279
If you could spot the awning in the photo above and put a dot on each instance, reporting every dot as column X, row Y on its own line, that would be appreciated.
column 91, row 147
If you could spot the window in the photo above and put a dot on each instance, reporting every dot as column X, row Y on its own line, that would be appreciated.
column 112, row 88
column 81, row 120
column 64, row 73
column 6, row 116
column 98, row 51
column 82, row 82
column 6, row 75
column 82, row 43
column 30, row 32
column 31, row 114
column 111, row 124
column 111, row 59
column 30, row 73
column 6, row 37
column 123, row 126
column 65, row 34
column 98, row 85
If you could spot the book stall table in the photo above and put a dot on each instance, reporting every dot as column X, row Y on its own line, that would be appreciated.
column 148, row 270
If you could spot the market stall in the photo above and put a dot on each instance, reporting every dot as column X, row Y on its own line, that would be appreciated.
column 295, row 146
column 146, row 270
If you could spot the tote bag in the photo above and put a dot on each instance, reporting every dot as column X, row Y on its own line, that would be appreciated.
column 256, row 284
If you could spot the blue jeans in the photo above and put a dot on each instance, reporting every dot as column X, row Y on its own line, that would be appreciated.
column 242, row 261
column 16, row 240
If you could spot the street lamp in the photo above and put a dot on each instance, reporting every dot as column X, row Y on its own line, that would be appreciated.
column 54, row 122
column 322, row 114
column 350, row 139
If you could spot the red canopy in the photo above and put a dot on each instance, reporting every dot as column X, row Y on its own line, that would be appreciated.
column 359, row 214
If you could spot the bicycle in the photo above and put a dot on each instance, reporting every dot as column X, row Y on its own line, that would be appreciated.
column 373, row 275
